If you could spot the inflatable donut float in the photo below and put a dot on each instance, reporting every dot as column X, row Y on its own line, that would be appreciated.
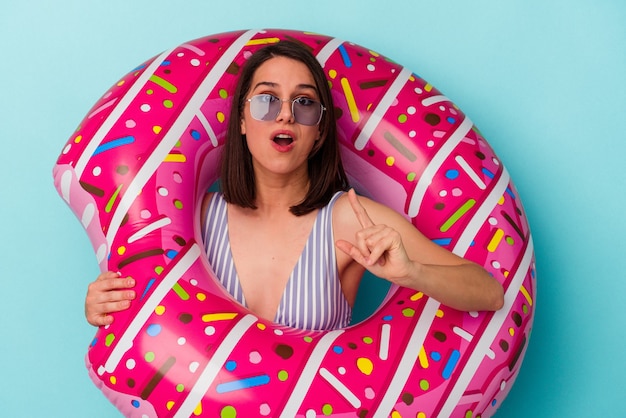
column 136, row 169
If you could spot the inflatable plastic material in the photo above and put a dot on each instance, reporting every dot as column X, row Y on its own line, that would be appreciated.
column 136, row 169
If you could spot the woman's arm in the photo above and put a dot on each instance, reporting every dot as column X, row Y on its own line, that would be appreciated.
column 390, row 247
column 110, row 293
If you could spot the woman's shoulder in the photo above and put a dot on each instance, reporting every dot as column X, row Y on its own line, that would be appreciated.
column 345, row 218
column 206, row 200
column 343, row 207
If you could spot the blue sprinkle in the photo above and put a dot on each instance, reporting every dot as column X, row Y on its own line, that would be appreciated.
column 451, row 364
column 246, row 383
column 435, row 356
column 119, row 142
column 338, row 349
column 510, row 192
column 450, row 119
column 171, row 254
column 166, row 63
column 345, row 56
column 387, row 317
column 153, row 330
column 230, row 365
column 195, row 134
column 452, row 174
column 135, row 403
column 141, row 67
column 494, row 402
column 148, row 286
column 94, row 342
column 442, row 241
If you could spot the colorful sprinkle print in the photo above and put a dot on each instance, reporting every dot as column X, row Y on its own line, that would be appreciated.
column 146, row 152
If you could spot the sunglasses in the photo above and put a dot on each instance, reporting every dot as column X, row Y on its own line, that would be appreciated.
column 305, row 111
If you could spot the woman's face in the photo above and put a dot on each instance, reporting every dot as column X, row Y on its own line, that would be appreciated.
column 280, row 145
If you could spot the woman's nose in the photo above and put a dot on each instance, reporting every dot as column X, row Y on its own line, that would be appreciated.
column 286, row 111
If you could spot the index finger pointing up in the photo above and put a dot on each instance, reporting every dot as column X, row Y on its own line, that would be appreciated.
column 359, row 210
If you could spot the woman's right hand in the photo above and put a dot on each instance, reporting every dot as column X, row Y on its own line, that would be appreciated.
column 109, row 293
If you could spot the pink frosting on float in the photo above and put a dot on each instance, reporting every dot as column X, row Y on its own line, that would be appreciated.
column 134, row 173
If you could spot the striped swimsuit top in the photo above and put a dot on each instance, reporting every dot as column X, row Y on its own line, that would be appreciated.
column 312, row 299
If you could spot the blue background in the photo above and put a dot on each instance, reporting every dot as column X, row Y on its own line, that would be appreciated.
column 543, row 80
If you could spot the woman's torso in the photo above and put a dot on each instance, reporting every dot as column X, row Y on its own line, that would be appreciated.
column 289, row 267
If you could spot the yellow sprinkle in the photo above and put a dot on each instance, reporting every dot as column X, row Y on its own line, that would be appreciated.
column 198, row 410
column 501, row 201
column 495, row 241
column 332, row 74
column 526, row 295
column 78, row 139
column 119, row 83
column 263, row 41
column 365, row 365
column 220, row 117
column 169, row 405
column 156, row 129
column 261, row 326
column 159, row 310
column 439, row 313
column 121, row 250
column 389, row 161
column 395, row 414
column 347, row 91
column 175, row 158
column 201, row 297
column 416, row 296
column 423, row 358
column 218, row 316
column 113, row 380
column 511, row 332
column 428, row 87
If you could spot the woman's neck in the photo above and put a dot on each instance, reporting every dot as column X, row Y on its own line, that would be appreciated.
column 279, row 193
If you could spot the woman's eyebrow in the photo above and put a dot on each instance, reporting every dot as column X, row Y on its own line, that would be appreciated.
column 303, row 86
column 265, row 84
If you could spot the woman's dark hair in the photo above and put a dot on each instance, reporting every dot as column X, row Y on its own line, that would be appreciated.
column 326, row 173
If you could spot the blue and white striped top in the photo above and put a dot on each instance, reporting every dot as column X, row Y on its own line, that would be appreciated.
column 313, row 299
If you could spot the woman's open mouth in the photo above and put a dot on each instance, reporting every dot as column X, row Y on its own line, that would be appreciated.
column 283, row 140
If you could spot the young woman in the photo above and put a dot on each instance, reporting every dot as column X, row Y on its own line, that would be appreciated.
column 272, row 232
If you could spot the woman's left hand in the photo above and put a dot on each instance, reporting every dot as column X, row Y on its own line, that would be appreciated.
column 378, row 248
